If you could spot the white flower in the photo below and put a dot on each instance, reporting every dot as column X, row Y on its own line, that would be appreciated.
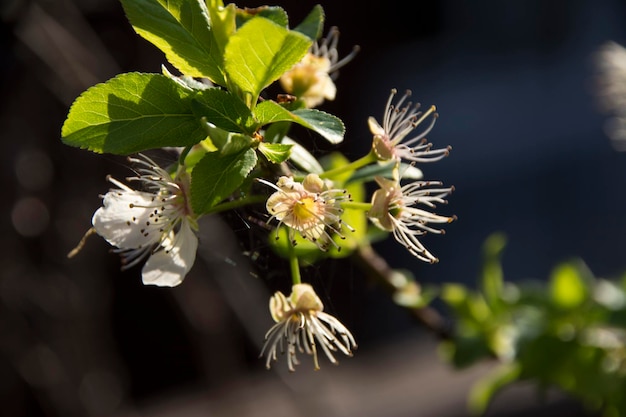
column 610, row 89
column 398, row 122
column 394, row 210
column 302, row 324
column 312, row 79
column 308, row 207
column 156, row 223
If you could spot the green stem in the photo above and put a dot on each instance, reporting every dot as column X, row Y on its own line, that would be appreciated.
column 352, row 166
column 294, row 266
column 356, row 205
column 237, row 203
column 183, row 155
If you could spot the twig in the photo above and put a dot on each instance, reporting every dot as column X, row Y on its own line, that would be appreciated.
column 378, row 269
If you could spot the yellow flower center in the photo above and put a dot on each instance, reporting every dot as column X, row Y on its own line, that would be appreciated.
column 305, row 210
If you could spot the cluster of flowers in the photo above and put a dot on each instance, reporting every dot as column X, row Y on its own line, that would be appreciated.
column 156, row 223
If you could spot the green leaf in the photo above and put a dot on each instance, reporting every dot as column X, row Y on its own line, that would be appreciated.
column 275, row 152
column 302, row 158
column 369, row 172
column 259, row 53
column 413, row 295
column 131, row 113
column 275, row 132
column 492, row 277
column 216, row 177
column 465, row 350
column 454, row 295
column 269, row 111
column 313, row 24
column 223, row 22
column 274, row 13
column 336, row 160
column 186, row 81
column 351, row 218
column 181, row 29
column 227, row 142
column 224, row 110
column 567, row 287
column 307, row 252
column 484, row 390
column 326, row 125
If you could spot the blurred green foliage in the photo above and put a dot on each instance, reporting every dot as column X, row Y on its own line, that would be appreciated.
column 567, row 332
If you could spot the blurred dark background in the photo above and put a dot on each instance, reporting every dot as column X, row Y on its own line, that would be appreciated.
column 513, row 83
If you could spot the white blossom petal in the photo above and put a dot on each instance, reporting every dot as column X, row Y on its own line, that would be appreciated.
column 156, row 223
column 121, row 218
column 169, row 266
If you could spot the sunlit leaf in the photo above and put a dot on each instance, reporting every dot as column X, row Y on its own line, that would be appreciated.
column 275, row 152
column 223, row 22
column 181, row 29
column 328, row 126
column 131, row 113
column 260, row 52
column 567, row 287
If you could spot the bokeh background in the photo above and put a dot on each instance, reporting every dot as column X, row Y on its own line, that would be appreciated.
column 514, row 86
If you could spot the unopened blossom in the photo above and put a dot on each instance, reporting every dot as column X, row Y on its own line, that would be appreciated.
column 610, row 89
column 404, row 211
column 395, row 139
column 312, row 79
column 309, row 207
column 302, row 325
column 155, row 223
